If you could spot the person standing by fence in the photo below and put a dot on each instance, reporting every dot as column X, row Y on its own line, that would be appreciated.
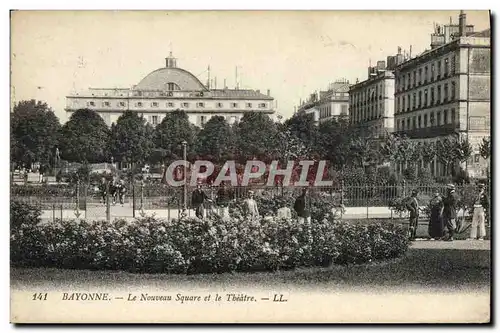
column 436, row 227
column 300, row 207
column 481, row 204
column 197, row 200
column 103, row 190
column 252, row 211
column 450, row 211
column 224, row 196
column 412, row 206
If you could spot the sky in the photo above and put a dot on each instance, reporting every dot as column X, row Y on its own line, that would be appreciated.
column 292, row 53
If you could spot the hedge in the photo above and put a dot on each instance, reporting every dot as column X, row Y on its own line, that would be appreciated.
column 152, row 245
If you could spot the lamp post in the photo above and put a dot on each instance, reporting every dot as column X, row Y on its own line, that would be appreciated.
column 184, row 154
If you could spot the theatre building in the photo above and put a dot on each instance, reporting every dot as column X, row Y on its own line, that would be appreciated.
column 172, row 88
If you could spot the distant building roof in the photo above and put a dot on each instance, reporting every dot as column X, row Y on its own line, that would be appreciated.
column 158, row 80
column 239, row 93
column 484, row 33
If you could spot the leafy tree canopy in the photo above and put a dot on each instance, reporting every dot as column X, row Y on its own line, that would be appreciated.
column 131, row 138
column 34, row 132
column 84, row 138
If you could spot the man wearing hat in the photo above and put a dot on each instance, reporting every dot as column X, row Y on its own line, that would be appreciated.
column 197, row 200
column 412, row 206
column 450, row 211
column 481, row 204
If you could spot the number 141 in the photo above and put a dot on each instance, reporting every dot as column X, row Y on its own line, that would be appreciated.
column 39, row 297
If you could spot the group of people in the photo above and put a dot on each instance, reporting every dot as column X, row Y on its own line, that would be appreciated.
column 117, row 190
column 200, row 201
column 205, row 205
column 443, row 214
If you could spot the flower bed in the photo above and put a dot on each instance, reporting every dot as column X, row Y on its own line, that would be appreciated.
column 194, row 246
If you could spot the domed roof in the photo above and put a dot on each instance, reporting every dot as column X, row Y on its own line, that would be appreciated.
column 160, row 78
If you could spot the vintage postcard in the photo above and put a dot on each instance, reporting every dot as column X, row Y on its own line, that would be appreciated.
column 250, row 167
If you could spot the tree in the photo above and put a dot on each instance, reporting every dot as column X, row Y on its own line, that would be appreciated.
column 302, row 127
column 34, row 132
column 485, row 148
column 446, row 152
column 364, row 152
column 334, row 141
column 288, row 145
column 169, row 134
column 131, row 139
column 389, row 147
column 428, row 152
column 215, row 139
column 255, row 135
column 405, row 150
column 85, row 137
column 463, row 150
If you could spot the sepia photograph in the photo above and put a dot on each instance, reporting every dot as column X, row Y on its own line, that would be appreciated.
column 272, row 166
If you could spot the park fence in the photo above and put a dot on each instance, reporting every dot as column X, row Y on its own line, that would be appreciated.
column 86, row 201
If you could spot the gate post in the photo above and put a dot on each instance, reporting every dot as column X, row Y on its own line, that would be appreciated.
column 341, row 198
column 142, row 193
column 367, row 201
column 78, row 196
column 133, row 198
column 108, row 213
column 85, row 197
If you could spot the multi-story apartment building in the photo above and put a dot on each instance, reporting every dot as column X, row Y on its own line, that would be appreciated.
column 171, row 88
column 332, row 103
column 371, row 102
column 446, row 91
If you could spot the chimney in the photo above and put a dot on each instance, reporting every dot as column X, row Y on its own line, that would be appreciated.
column 461, row 24
column 258, row 91
column 268, row 92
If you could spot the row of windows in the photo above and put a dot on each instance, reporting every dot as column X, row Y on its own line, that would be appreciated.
column 368, row 94
column 426, row 97
column 327, row 111
column 171, row 104
column 442, row 68
column 432, row 119
column 201, row 120
column 369, row 113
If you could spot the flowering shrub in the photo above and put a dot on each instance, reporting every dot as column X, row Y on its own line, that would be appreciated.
column 23, row 213
column 191, row 246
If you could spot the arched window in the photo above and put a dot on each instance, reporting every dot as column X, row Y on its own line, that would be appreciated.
column 172, row 86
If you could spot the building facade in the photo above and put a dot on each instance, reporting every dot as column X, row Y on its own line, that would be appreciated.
column 172, row 88
column 328, row 104
column 371, row 102
column 446, row 92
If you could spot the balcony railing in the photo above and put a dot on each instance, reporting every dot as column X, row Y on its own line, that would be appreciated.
column 430, row 132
